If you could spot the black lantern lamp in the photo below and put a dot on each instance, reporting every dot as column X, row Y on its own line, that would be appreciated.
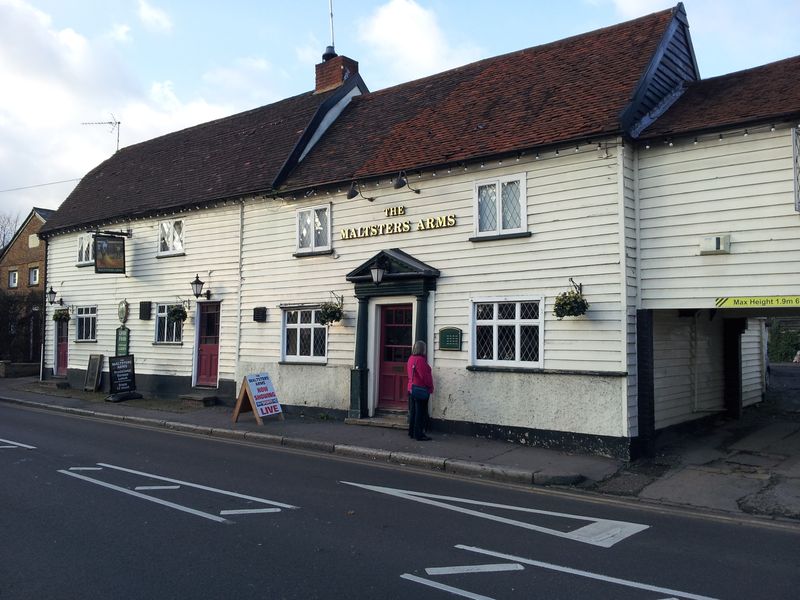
column 378, row 270
column 197, row 288
column 51, row 297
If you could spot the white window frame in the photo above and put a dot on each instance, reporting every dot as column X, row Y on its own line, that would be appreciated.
column 523, row 202
column 286, row 326
column 796, row 146
column 172, row 251
column 85, row 249
column 313, row 248
column 31, row 272
column 495, row 322
column 85, row 313
column 13, row 279
column 162, row 316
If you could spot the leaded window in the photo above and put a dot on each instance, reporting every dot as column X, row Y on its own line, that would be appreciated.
column 305, row 339
column 500, row 206
column 170, row 237
column 314, row 229
column 85, row 249
column 507, row 332
column 169, row 330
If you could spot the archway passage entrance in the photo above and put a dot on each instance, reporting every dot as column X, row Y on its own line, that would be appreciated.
column 395, row 348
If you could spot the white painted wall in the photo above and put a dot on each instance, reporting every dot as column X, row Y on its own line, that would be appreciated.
column 742, row 186
column 211, row 241
column 753, row 366
column 688, row 366
column 573, row 207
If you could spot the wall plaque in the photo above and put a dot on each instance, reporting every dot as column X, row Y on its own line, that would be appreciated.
column 123, row 341
column 450, row 338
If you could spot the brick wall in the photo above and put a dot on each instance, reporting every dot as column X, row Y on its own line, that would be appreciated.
column 21, row 257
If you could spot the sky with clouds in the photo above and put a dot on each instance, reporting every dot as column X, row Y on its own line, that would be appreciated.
column 161, row 65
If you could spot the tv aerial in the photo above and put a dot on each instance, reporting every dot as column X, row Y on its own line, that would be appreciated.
column 113, row 123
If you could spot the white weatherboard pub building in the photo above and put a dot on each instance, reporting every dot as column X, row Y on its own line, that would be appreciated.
column 480, row 194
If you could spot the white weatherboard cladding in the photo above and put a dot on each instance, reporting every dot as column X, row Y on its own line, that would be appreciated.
column 742, row 186
column 753, row 367
column 211, row 240
column 630, row 262
column 688, row 366
column 573, row 206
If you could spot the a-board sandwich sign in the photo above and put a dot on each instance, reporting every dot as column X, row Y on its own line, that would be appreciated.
column 121, row 373
column 260, row 392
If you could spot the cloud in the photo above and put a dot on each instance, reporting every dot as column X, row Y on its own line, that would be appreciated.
column 153, row 18
column 408, row 38
column 56, row 79
column 630, row 9
column 120, row 33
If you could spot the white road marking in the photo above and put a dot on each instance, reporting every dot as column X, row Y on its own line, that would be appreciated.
column 117, row 488
column 9, row 447
column 17, row 444
column 143, row 488
column 199, row 487
column 587, row 574
column 496, row 568
column 601, row 532
column 443, row 587
column 85, row 469
column 248, row 511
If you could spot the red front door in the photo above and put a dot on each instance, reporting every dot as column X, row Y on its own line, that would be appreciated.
column 395, row 348
column 62, row 346
column 208, row 346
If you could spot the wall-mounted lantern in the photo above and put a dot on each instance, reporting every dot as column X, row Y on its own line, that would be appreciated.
column 197, row 288
column 378, row 270
column 51, row 297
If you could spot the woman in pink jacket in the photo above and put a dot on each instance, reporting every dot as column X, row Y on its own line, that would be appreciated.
column 419, row 378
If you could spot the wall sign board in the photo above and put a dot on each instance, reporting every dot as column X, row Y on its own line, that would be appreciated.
column 263, row 400
column 758, row 302
column 123, row 341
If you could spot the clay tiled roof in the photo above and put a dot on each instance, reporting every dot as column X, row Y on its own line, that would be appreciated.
column 567, row 90
column 221, row 159
column 760, row 94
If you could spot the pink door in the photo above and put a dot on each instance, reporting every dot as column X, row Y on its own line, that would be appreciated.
column 208, row 347
column 395, row 348
column 62, row 346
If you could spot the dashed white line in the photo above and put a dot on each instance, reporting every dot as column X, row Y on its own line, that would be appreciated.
column 144, row 488
column 248, row 511
column 587, row 574
column 9, row 447
column 85, row 469
column 445, row 588
column 474, row 569
column 198, row 486
column 117, row 488
column 17, row 444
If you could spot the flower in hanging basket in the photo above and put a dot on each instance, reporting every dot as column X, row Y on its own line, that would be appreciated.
column 177, row 313
column 61, row 314
column 330, row 312
column 570, row 304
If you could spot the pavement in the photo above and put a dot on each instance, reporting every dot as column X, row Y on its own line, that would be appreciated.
column 749, row 466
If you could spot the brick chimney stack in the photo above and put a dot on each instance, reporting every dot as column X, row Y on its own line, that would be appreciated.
column 333, row 71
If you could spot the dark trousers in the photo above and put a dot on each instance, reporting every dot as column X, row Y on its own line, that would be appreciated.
column 417, row 417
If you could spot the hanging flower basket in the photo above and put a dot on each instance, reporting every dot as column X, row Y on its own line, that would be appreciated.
column 61, row 314
column 570, row 304
column 330, row 312
column 177, row 313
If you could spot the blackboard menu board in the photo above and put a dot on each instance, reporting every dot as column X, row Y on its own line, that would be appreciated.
column 121, row 374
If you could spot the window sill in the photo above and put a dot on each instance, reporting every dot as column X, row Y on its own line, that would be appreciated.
column 546, row 371
column 167, row 344
column 502, row 236
column 85, row 341
column 169, row 254
column 313, row 253
column 316, row 363
column 84, row 264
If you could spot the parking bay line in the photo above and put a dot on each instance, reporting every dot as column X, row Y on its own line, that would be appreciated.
column 144, row 488
column 587, row 574
column 249, row 511
column 200, row 487
column 496, row 568
column 444, row 588
column 117, row 488
column 17, row 444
